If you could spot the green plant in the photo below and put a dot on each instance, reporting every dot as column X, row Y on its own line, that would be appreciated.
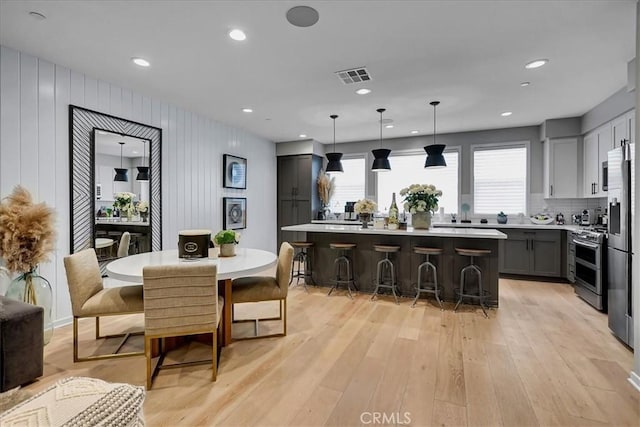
column 226, row 236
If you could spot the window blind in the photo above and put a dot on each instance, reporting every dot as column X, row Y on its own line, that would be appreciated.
column 409, row 169
column 500, row 180
column 349, row 185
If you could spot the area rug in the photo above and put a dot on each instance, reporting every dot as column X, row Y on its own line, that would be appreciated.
column 80, row 401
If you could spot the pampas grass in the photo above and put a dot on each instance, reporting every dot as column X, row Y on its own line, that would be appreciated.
column 27, row 231
column 326, row 186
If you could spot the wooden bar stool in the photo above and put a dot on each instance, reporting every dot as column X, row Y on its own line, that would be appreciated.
column 302, row 258
column 386, row 272
column 343, row 259
column 430, row 287
column 481, row 294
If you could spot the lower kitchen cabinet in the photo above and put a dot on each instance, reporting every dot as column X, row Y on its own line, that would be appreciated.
column 531, row 253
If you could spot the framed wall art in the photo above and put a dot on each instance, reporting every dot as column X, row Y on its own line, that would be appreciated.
column 235, row 172
column 235, row 213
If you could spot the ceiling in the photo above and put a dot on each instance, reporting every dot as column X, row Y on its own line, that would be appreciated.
column 470, row 55
column 109, row 143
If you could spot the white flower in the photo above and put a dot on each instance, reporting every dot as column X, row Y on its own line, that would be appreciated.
column 365, row 206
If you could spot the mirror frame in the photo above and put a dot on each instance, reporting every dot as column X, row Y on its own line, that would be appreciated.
column 82, row 124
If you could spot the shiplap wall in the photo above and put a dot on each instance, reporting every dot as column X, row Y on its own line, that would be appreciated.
column 34, row 152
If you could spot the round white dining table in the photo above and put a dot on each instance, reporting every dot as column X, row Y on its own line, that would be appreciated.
column 246, row 262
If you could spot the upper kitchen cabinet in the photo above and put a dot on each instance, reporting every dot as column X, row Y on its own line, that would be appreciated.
column 561, row 168
column 596, row 148
column 623, row 128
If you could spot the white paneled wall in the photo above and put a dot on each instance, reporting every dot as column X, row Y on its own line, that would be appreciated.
column 34, row 152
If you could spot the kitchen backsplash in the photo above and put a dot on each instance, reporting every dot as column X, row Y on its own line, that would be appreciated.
column 537, row 203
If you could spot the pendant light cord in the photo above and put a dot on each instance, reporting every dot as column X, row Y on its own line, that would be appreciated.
column 434, row 103
column 334, row 117
column 121, row 144
column 381, row 110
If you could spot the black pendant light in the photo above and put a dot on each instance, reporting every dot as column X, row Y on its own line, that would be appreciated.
column 334, row 165
column 121, row 173
column 435, row 159
column 143, row 171
column 381, row 160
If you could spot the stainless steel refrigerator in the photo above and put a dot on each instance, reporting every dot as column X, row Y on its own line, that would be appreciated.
column 621, row 197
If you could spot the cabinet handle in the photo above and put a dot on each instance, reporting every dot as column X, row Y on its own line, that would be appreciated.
column 552, row 190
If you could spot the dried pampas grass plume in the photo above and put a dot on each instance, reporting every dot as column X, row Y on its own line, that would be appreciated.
column 27, row 231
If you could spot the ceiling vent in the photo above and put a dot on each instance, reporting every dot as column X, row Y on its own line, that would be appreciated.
column 354, row 75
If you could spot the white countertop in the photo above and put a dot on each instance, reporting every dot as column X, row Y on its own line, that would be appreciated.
column 527, row 225
column 432, row 232
column 117, row 221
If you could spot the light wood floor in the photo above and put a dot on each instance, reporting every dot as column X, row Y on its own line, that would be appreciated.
column 543, row 358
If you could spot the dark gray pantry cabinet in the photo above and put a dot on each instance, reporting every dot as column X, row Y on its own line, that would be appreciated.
column 533, row 252
column 298, row 201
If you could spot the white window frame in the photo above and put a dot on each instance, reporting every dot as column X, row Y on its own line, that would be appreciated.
column 349, row 156
column 413, row 152
column 499, row 146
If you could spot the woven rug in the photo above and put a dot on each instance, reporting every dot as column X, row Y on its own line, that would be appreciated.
column 79, row 401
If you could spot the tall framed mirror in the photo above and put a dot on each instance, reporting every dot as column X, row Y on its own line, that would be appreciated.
column 115, row 184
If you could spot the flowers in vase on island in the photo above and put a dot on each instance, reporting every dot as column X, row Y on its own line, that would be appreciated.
column 27, row 237
column 421, row 200
column 124, row 203
column 143, row 210
column 364, row 208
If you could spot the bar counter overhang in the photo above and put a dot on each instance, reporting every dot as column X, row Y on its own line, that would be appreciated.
column 449, row 264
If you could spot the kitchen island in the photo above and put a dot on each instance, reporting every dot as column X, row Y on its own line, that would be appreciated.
column 365, row 258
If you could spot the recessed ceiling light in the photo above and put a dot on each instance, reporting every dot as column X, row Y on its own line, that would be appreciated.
column 302, row 135
column 506, row 114
column 37, row 15
column 363, row 91
column 523, row 84
column 389, row 126
column 237, row 35
column 141, row 62
column 536, row 63
column 247, row 110
column 414, row 131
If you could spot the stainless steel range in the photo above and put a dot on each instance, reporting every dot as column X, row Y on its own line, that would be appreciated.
column 590, row 266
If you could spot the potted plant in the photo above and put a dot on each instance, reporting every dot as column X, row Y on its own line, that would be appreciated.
column 227, row 241
column 124, row 203
column 27, row 238
column 326, row 187
column 143, row 210
column 421, row 200
column 365, row 208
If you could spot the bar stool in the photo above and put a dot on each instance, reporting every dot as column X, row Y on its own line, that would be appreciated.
column 386, row 272
column 343, row 260
column 303, row 258
column 481, row 295
column 430, row 287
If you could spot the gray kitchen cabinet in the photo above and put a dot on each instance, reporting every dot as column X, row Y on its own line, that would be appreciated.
column 298, row 201
column 531, row 253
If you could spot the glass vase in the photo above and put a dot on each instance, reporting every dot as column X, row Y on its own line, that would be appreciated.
column 365, row 218
column 421, row 220
column 34, row 289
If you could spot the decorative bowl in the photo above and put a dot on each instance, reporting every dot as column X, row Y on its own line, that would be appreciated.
column 541, row 221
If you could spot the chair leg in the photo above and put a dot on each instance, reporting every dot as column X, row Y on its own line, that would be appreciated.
column 97, row 328
column 214, row 359
column 75, row 339
column 284, row 315
column 147, row 354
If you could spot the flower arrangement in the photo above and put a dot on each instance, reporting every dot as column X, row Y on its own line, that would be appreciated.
column 421, row 198
column 124, row 202
column 26, row 231
column 143, row 207
column 226, row 237
column 365, row 206
column 326, row 187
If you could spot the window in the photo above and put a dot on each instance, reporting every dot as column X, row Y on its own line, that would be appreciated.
column 409, row 169
column 349, row 186
column 500, row 180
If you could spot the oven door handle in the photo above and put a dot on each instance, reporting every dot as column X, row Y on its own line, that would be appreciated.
column 588, row 245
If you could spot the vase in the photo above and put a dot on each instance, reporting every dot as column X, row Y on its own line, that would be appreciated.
column 144, row 216
column 365, row 218
column 421, row 220
column 34, row 289
column 227, row 249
